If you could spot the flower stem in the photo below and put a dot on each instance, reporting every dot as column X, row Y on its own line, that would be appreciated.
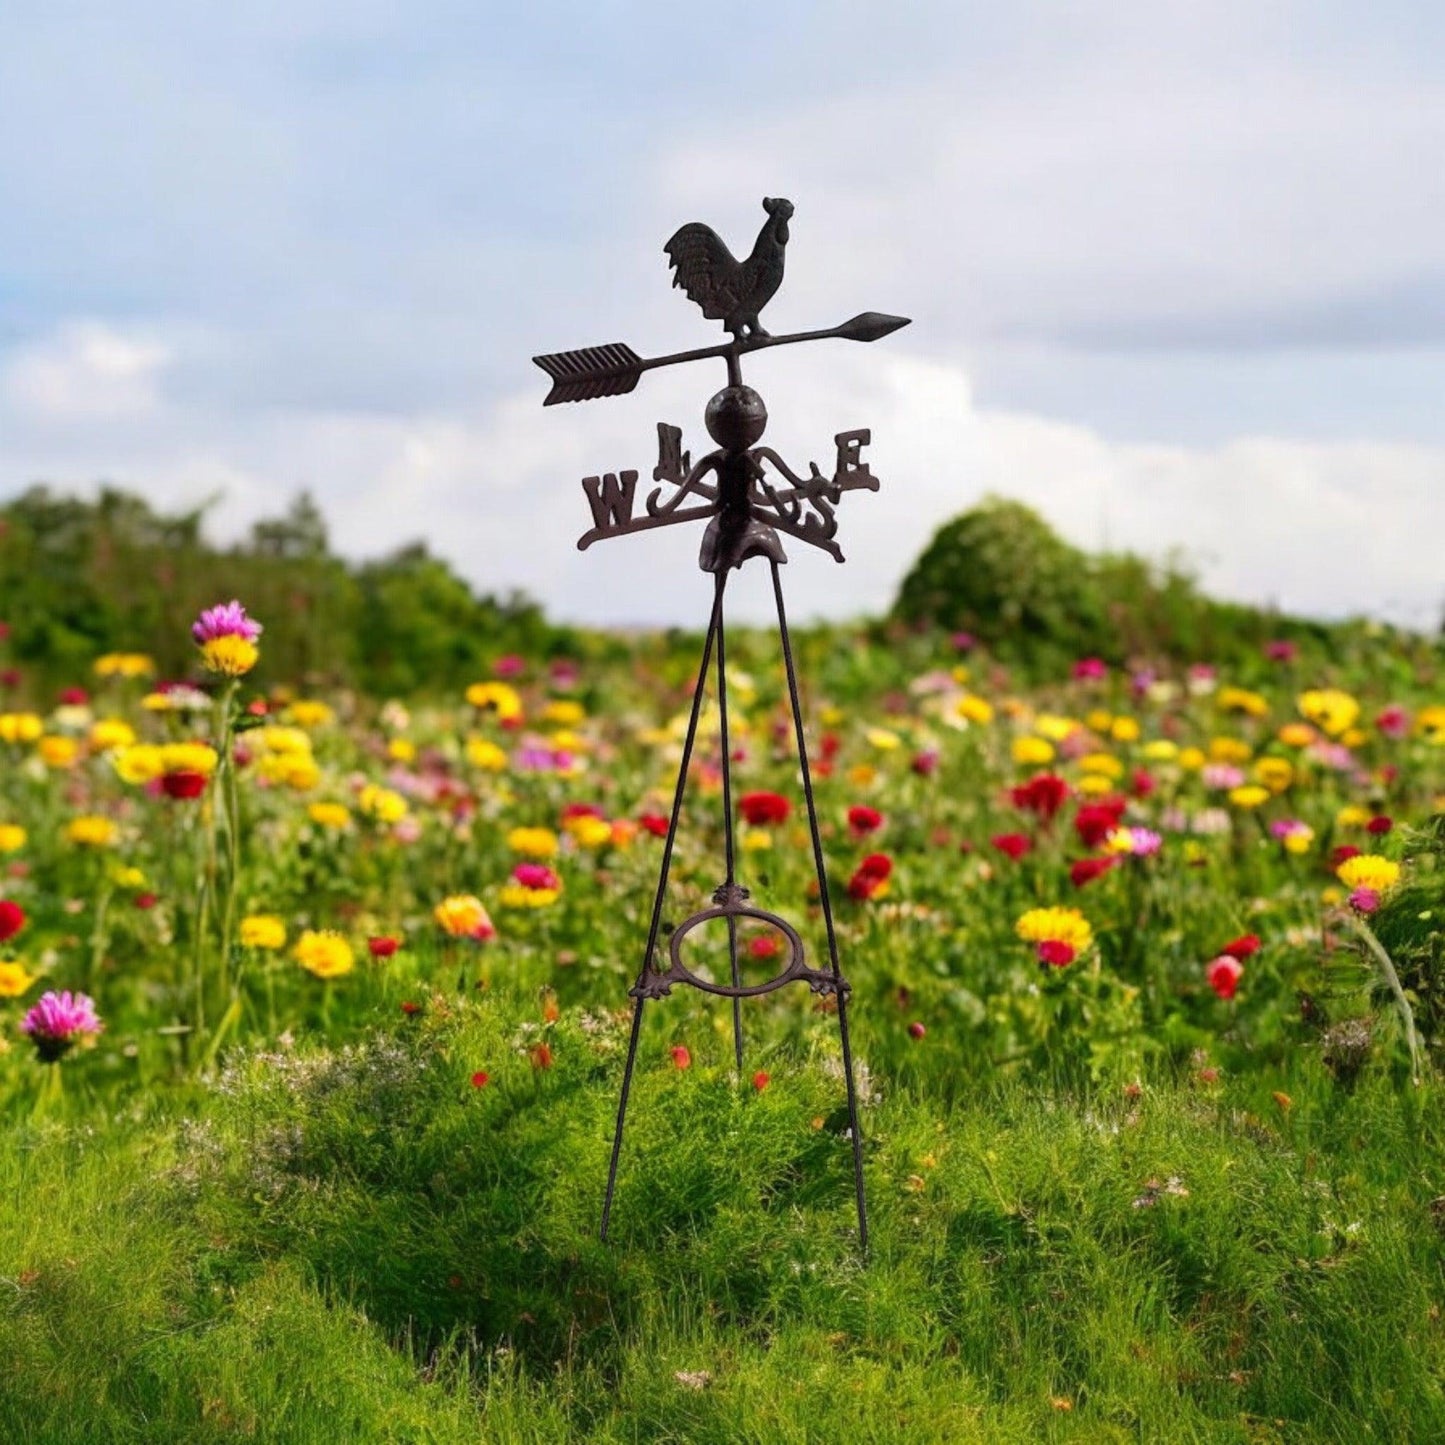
column 1392, row 978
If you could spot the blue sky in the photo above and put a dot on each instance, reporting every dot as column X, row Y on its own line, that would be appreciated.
column 1177, row 279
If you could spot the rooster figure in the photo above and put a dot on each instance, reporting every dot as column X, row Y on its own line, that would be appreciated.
column 729, row 290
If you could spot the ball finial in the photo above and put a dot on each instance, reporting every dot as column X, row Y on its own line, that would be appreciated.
column 736, row 418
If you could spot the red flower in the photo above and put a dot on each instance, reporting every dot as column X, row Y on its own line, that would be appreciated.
column 1085, row 870
column 1043, row 794
column 1342, row 854
column 481, row 1079
column 925, row 764
column 144, row 901
column 763, row 946
column 74, row 696
column 1014, row 845
column 761, row 1081
column 871, row 874
column 1224, row 974
column 540, row 1056
column 581, row 810
column 653, row 823
column 761, row 809
column 257, row 707
column 1056, row 953
column 830, row 745
column 184, row 784
column 1241, row 947
column 1095, row 821
column 536, row 876
column 1143, row 783
column 916, row 1030
column 863, row 820
column 409, row 1008
column 382, row 945
column 12, row 919
column 1090, row 669
column 1379, row 826
column 681, row 1059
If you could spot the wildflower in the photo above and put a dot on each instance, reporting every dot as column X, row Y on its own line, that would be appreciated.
column 1085, row 870
column 1276, row 774
column 183, row 784
column 12, row 837
column 227, row 639
column 1223, row 975
column 59, row 1021
column 1393, row 722
column 757, row 840
column 332, row 816
column 109, row 733
column 533, row 842
column 765, row 945
column 20, row 727
column 1032, row 751
column 484, row 754
column 1294, row 834
column 1060, row 934
column 761, row 1080
column 590, row 832
column 882, row 739
column 1369, row 871
column 1095, row 821
column 966, row 709
column 540, row 1056
column 764, row 809
column 401, row 750
column 1331, row 710
column 863, row 820
column 533, row 885
column 263, row 930
column 681, row 1058
column 90, row 831
column 496, row 697
column 124, row 664
column 1281, row 651
column 481, row 1079
column 306, row 713
column 1352, row 816
column 1103, row 763
column 916, row 1030
column 14, row 980
column 324, row 953
column 384, row 805
column 1379, row 825
column 1242, row 947
column 1043, row 795
column 1135, row 842
column 653, row 823
column 463, row 916
column 1297, row 735
column 1089, row 669
column 382, row 945
column 1013, row 845
column 870, row 878
column 12, row 919
column 1249, row 796
column 1239, row 699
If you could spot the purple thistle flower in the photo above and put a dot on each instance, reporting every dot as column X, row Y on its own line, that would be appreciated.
column 58, row 1020
column 226, row 619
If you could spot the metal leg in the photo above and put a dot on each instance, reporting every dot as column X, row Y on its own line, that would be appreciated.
column 727, row 791
column 853, row 1122
column 713, row 630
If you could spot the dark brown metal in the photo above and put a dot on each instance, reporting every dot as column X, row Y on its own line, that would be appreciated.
column 733, row 489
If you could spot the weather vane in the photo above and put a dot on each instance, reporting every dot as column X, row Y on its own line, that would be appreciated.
column 748, row 494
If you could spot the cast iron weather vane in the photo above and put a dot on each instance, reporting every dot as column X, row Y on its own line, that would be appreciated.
column 745, row 511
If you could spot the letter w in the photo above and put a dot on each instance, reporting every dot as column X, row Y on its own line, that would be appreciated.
column 610, row 498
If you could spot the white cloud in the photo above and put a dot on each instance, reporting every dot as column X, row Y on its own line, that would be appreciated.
column 1319, row 528
column 86, row 372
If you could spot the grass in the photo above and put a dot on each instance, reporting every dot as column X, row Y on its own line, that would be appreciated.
column 356, row 1243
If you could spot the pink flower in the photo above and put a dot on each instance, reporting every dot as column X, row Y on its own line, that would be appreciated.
column 1056, row 953
column 681, row 1058
column 1394, row 722
column 58, row 1021
column 1281, row 651
column 1365, row 900
column 227, row 619
column 509, row 665
column 536, row 876
column 1090, row 669
column 1013, row 845
column 1224, row 974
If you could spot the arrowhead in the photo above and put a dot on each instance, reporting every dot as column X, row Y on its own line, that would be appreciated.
column 871, row 326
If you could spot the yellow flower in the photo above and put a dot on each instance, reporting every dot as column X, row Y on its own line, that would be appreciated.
column 1099, row 720
column 566, row 741
column 1124, row 730
column 590, row 832
column 90, row 831
column 1429, row 723
column 324, row 952
column 329, row 815
column 1161, row 750
column 263, row 930
column 1095, row 785
column 1275, row 773
column 129, row 878
column 300, row 774
column 1032, row 751
column 533, row 842
column 230, row 655
column 1297, row 735
column 14, row 980
column 1355, row 738
column 124, row 664
column 1299, row 839
column 139, row 763
column 401, row 750
column 1369, row 870
column 12, row 837
column 862, row 775
column 283, row 741
column 1251, row 795
column 20, row 727
column 564, row 713
column 969, row 709
column 757, row 840
column 882, row 739
column 1103, row 763
column 463, row 916
column 189, row 758
column 1239, row 699
column 1053, row 727
column 1329, row 709
column 381, row 803
column 1352, row 815
column 497, row 697
column 109, row 733
column 485, row 754
column 306, row 713
column 1059, row 925
column 1332, row 897
column 514, row 895
column 831, row 716
column 1229, row 750
column 58, row 752
column 1191, row 759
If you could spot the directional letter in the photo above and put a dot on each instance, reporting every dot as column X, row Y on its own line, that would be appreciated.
column 673, row 463
column 610, row 499
column 850, row 446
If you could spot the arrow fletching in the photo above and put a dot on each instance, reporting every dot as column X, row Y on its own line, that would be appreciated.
column 590, row 372
column 870, row 326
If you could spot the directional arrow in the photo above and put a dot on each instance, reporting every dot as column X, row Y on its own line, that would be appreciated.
column 615, row 369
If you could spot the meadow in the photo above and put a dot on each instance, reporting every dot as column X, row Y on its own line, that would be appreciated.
column 314, row 1002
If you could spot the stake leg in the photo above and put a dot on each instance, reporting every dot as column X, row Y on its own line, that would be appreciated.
column 854, row 1128
column 713, row 633
column 727, row 800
